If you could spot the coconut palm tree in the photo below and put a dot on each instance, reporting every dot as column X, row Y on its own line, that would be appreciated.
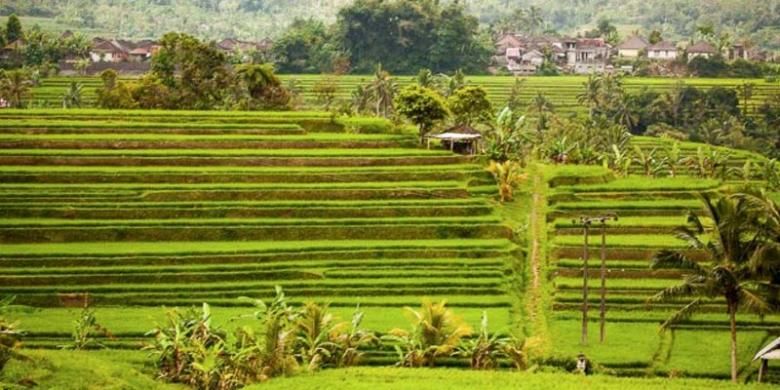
column 383, row 89
column 591, row 95
column 541, row 106
column 733, row 271
column 72, row 97
column 436, row 332
column 15, row 88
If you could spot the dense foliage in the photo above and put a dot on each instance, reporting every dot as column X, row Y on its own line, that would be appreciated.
column 255, row 19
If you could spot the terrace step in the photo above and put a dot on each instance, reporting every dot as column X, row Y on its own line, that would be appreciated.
column 468, row 297
column 271, row 175
column 324, row 267
column 231, row 192
column 320, row 257
column 166, row 141
column 137, row 211
column 124, row 161
column 195, row 232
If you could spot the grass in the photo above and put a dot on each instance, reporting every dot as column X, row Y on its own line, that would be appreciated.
column 642, row 183
column 139, row 320
column 365, row 378
column 625, row 240
column 330, row 152
column 214, row 247
column 96, row 370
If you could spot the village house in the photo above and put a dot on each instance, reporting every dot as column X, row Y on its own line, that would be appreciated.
column 105, row 50
column 525, row 55
column 143, row 51
column 632, row 47
column 590, row 56
column 701, row 49
column 8, row 50
column 662, row 51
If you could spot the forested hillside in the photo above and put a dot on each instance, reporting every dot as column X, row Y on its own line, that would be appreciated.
column 758, row 20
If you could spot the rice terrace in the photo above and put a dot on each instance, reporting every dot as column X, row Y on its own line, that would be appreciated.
column 389, row 194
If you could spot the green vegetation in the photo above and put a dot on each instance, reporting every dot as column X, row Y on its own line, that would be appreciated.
column 131, row 211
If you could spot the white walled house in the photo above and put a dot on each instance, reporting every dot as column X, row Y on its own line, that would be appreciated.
column 662, row 51
column 632, row 47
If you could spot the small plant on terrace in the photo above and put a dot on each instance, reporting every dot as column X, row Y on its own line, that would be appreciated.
column 9, row 333
column 435, row 333
column 508, row 177
column 486, row 351
column 85, row 327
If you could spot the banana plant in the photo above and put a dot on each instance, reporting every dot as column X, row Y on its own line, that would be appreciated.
column 646, row 161
column 486, row 351
column 771, row 173
column 619, row 161
column 672, row 159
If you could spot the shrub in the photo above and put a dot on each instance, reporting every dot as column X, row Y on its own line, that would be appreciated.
column 508, row 177
column 9, row 333
column 435, row 332
column 83, row 331
column 485, row 351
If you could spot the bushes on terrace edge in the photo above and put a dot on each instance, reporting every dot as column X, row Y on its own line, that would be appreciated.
column 508, row 177
column 9, row 333
column 486, row 351
column 188, row 349
column 435, row 332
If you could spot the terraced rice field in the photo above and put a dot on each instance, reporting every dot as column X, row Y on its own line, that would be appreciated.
column 143, row 211
column 562, row 91
column 648, row 210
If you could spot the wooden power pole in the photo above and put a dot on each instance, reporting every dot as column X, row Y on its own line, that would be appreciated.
column 586, row 223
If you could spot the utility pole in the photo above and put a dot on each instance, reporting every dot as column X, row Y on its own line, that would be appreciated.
column 585, row 254
column 603, row 306
column 586, row 223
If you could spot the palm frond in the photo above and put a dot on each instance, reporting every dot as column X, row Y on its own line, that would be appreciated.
column 685, row 289
column 669, row 259
column 683, row 314
column 690, row 237
column 753, row 301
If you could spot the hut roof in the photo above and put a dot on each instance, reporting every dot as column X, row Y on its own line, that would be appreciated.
column 458, row 133
column 634, row 43
column 702, row 47
column 770, row 352
column 663, row 45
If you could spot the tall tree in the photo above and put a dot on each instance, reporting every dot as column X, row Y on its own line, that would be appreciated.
column 423, row 106
column 13, row 29
column 733, row 270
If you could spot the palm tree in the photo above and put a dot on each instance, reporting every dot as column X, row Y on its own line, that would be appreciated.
column 590, row 96
column 383, row 89
column 733, row 271
column 624, row 113
column 746, row 93
column 258, row 77
column 670, row 104
column 16, row 88
column 436, row 332
column 72, row 97
column 541, row 106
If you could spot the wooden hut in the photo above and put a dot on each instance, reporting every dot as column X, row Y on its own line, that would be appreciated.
column 770, row 352
column 460, row 139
